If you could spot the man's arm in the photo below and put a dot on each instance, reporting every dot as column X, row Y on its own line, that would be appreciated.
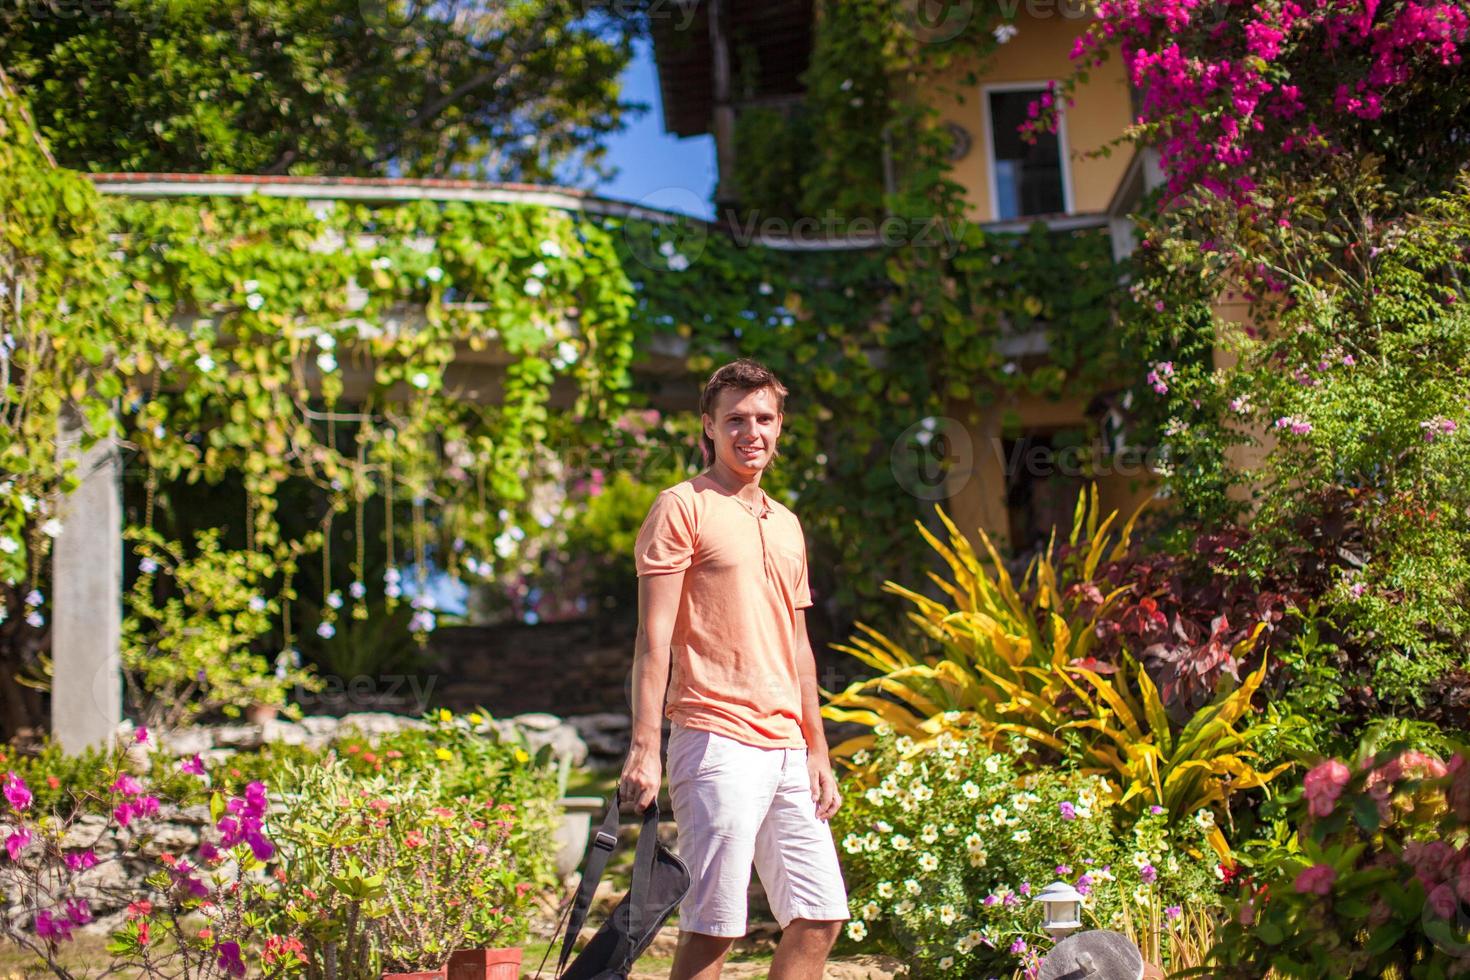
column 658, row 607
column 818, row 762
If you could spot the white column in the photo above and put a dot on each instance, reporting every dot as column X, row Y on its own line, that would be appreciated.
column 86, row 562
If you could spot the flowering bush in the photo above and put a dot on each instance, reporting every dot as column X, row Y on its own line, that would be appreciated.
column 390, row 875
column 1369, row 874
column 196, row 915
column 945, row 852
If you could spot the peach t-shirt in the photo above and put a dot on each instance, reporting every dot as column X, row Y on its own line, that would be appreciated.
column 733, row 663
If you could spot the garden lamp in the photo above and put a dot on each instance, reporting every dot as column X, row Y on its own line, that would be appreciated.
column 1062, row 909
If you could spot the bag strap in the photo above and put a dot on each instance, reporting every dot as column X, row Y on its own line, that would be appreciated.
column 643, row 861
column 604, row 841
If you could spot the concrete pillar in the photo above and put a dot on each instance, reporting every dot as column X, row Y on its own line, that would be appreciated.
column 86, row 562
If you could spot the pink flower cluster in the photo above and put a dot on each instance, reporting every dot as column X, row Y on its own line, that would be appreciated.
column 1230, row 82
column 55, row 928
column 135, row 803
column 1323, row 785
column 1156, row 376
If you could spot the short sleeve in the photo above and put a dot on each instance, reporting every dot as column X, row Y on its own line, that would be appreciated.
column 803, row 592
column 666, row 540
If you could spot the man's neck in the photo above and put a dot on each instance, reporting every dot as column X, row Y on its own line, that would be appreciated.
column 733, row 484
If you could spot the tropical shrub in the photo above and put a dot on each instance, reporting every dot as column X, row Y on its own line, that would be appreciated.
column 1001, row 649
column 945, row 853
column 1367, row 873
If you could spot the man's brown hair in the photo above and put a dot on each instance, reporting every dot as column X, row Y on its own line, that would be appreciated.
column 743, row 375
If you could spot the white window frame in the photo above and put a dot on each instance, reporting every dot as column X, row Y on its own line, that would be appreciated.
column 1063, row 149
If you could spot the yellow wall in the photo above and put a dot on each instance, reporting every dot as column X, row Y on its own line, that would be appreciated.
column 1039, row 53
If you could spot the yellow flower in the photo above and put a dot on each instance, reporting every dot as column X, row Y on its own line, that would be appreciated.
column 521, row 756
column 445, row 714
column 444, row 754
column 475, row 718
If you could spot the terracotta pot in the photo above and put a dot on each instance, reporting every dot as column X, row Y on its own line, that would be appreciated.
column 484, row 964
column 426, row 975
column 259, row 714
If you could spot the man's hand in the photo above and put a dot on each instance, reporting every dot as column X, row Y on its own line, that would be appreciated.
column 642, row 774
column 824, row 785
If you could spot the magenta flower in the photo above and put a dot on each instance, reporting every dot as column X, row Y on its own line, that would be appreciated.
column 51, row 928
column 1444, row 902
column 1019, row 946
column 126, row 785
column 1084, row 885
column 17, row 841
column 1156, row 810
column 1064, row 869
column 194, row 766
column 80, row 860
column 1149, row 874
column 17, row 793
column 1069, row 812
column 1316, row 880
column 1025, row 888
column 78, row 912
column 140, row 736
column 1173, row 912
column 1323, row 785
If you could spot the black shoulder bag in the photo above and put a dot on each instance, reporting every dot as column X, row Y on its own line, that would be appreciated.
column 660, row 879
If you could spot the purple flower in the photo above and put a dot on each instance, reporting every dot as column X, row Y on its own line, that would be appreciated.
column 1156, row 809
column 141, row 735
column 78, row 912
column 1173, row 911
column 52, row 929
column 1019, row 946
column 16, row 792
column 1025, row 888
column 194, row 766
column 1084, row 885
column 1064, row 869
column 1069, row 812
column 229, row 959
column 990, row 900
column 1149, row 874
column 183, row 873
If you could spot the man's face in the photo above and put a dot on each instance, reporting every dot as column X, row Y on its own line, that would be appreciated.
column 744, row 428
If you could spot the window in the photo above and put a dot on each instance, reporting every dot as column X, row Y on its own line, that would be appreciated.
column 1027, row 178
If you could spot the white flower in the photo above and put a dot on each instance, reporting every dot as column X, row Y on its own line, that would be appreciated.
column 9, row 545
column 903, row 908
column 255, row 301
column 857, row 930
column 969, row 790
column 904, row 768
column 883, row 827
column 870, row 911
column 678, row 263
column 534, row 287
column 326, row 341
column 27, row 502
column 945, row 962
column 204, row 363
column 922, row 793
column 885, row 889
column 383, row 262
column 420, row 380
column 1009, row 367
column 539, row 270
column 1022, row 837
column 433, row 273
column 874, row 796
column 51, row 528
column 901, row 843
column 947, row 914
column 765, row 289
column 1205, row 820
column 505, row 545
column 911, row 886
column 860, row 757
column 251, row 285
column 257, row 604
column 928, row 862
column 147, row 566
column 1004, row 33
column 930, row 834
column 334, row 599
column 551, row 249
column 903, row 745
column 852, row 843
column 567, row 351
column 992, row 764
column 326, row 362
column 998, row 816
column 326, row 631
column 667, row 249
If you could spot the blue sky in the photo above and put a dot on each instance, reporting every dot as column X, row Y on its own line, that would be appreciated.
column 654, row 167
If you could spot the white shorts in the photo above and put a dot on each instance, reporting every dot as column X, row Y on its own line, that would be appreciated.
column 734, row 804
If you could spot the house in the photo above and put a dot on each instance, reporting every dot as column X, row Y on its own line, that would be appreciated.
column 724, row 59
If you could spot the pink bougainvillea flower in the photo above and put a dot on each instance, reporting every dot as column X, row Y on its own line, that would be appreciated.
column 51, row 928
column 17, row 793
column 229, row 959
column 1323, row 785
column 126, row 785
column 80, row 860
column 1316, row 880
column 141, row 734
column 78, row 912
column 194, row 766
column 17, row 842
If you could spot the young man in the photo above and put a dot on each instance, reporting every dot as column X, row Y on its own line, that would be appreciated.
column 722, row 593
